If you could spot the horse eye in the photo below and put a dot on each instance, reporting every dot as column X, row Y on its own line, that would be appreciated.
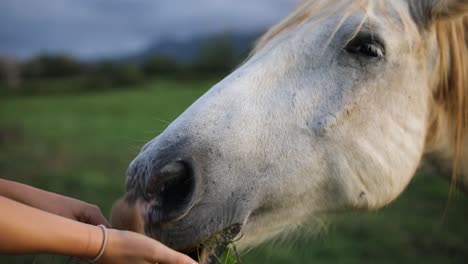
column 368, row 47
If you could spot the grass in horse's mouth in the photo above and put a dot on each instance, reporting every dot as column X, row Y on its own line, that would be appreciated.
column 218, row 249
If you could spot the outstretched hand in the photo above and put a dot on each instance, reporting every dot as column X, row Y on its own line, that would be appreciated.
column 125, row 247
column 82, row 212
column 75, row 209
column 49, row 233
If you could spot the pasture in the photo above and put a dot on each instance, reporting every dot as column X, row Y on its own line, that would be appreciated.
column 80, row 145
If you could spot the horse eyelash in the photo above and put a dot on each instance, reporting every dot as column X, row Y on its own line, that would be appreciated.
column 375, row 49
column 366, row 44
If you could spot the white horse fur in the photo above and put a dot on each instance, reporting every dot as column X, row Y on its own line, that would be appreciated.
column 334, row 111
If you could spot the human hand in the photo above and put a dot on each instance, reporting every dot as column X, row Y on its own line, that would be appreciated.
column 125, row 247
column 75, row 209
column 87, row 213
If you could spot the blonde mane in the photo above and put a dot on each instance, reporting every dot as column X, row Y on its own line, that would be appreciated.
column 452, row 90
column 451, row 93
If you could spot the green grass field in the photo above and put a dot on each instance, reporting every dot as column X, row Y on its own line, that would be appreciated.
column 80, row 145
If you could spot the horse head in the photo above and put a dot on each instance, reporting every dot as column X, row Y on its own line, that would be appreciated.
column 335, row 110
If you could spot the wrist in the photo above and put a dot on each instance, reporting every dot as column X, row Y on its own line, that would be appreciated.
column 103, row 244
column 94, row 243
column 122, row 243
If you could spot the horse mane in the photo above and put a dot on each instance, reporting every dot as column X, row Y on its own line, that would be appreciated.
column 451, row 92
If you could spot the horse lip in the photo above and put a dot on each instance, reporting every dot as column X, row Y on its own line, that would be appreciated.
column 210, row 250
column 211, row 247
column 204, row 256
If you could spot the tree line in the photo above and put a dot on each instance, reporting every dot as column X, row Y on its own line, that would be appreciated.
column 36, row 75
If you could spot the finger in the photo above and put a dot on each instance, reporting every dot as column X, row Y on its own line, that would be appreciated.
column 99, row 219
column 165, row 255
column 95, row 217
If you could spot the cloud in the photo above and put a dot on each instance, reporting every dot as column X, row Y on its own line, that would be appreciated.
column 90, row 28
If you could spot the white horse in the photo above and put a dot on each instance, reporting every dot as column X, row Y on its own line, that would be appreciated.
column 335, row 110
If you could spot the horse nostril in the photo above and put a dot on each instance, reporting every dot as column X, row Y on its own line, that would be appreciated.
column 171, row 189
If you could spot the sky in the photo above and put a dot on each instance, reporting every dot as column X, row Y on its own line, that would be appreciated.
column 105, row 28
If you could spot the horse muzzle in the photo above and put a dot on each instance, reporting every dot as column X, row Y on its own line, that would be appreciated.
column 166, row 199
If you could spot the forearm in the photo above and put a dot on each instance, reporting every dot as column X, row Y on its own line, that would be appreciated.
column 25, row 229
column 31, row 196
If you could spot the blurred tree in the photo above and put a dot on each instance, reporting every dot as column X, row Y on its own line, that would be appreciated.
column 107, row 74
column 161, row 65
column 217, row 56
column 52, row 66
column 10, row 72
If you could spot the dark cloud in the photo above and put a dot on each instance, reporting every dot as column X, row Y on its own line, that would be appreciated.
column 91, row 28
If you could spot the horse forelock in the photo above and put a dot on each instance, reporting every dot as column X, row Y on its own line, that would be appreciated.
column 318, row 10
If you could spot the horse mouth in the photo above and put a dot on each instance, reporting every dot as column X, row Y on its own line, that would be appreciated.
column 211, row 250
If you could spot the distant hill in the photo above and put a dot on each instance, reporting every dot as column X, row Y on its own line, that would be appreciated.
column 188, row 50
